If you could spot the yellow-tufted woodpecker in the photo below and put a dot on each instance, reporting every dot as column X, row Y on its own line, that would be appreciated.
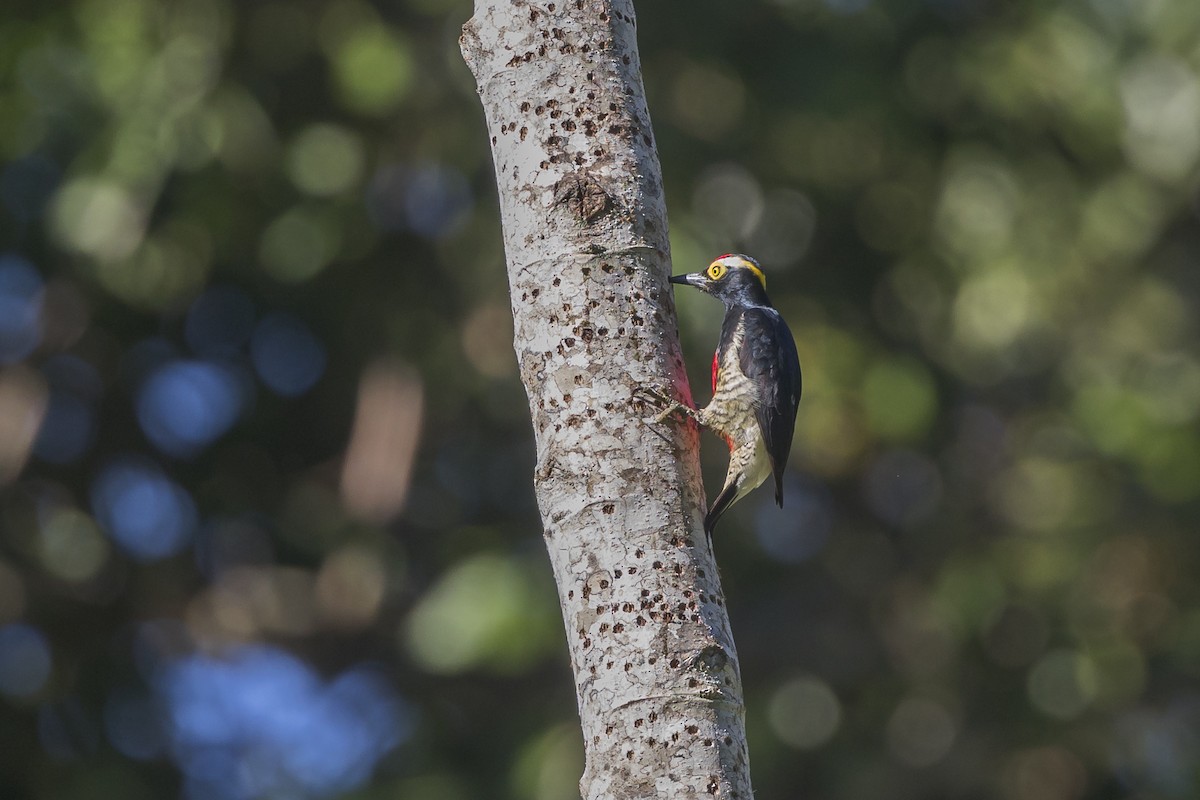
column 755, row 381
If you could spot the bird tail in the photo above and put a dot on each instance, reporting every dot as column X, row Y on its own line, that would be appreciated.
column 724, row 500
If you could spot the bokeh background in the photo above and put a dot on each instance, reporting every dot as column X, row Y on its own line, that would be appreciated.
column 266, row 520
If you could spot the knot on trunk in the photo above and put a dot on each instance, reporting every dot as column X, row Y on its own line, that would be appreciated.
column 583, row 196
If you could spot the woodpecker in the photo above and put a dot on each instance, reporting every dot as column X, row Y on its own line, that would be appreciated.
column 755, row 381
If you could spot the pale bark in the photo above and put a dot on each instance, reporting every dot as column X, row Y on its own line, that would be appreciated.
column 585, row 235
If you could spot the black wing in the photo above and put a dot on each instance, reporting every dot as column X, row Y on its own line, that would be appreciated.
column 769, row 359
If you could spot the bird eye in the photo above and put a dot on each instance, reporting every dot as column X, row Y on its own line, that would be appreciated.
column 716, row 271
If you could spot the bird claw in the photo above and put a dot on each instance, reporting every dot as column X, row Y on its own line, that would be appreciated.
column 666, row 413
column 654, row 394
column 662, row 400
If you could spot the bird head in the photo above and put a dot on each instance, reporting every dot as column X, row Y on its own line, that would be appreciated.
column 734, row 279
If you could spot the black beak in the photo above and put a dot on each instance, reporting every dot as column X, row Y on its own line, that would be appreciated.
column 697, row 279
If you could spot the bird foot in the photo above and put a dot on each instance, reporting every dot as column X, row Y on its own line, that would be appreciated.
column 663, row 401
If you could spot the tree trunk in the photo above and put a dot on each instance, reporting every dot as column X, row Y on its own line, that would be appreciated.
column 585, row 235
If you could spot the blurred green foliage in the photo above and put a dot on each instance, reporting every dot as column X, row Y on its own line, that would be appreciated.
column 250, row 267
